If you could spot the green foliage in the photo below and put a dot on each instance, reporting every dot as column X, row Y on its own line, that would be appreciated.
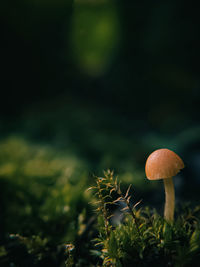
column 38, row 183
column 43, row 197
column 145, row 238
column 46, row 218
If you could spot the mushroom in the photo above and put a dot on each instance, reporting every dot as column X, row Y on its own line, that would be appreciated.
column 164, row 164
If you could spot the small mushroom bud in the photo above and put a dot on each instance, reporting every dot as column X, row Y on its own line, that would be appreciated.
column 164, row 164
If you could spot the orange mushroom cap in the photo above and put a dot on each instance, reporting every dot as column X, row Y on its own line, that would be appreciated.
column 163, row 163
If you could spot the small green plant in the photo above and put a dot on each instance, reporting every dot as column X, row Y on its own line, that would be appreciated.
column 143, row 238
column 105, row 188
column 109, row 195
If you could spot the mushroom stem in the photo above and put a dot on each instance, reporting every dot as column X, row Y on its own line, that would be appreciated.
column 169, row 199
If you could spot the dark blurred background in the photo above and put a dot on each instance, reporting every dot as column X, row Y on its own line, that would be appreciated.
column 108, row 81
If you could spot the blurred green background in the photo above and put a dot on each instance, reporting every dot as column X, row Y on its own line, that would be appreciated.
column 88, row 85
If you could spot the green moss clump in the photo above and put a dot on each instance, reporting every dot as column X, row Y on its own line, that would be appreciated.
column 42, row 198
column 144, row 238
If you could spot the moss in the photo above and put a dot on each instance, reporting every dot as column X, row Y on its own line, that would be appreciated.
column 144, row 238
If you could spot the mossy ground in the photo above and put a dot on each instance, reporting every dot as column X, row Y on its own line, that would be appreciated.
column 48, row 216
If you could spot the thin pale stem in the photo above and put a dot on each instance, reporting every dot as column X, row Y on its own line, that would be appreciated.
column 169, row 199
